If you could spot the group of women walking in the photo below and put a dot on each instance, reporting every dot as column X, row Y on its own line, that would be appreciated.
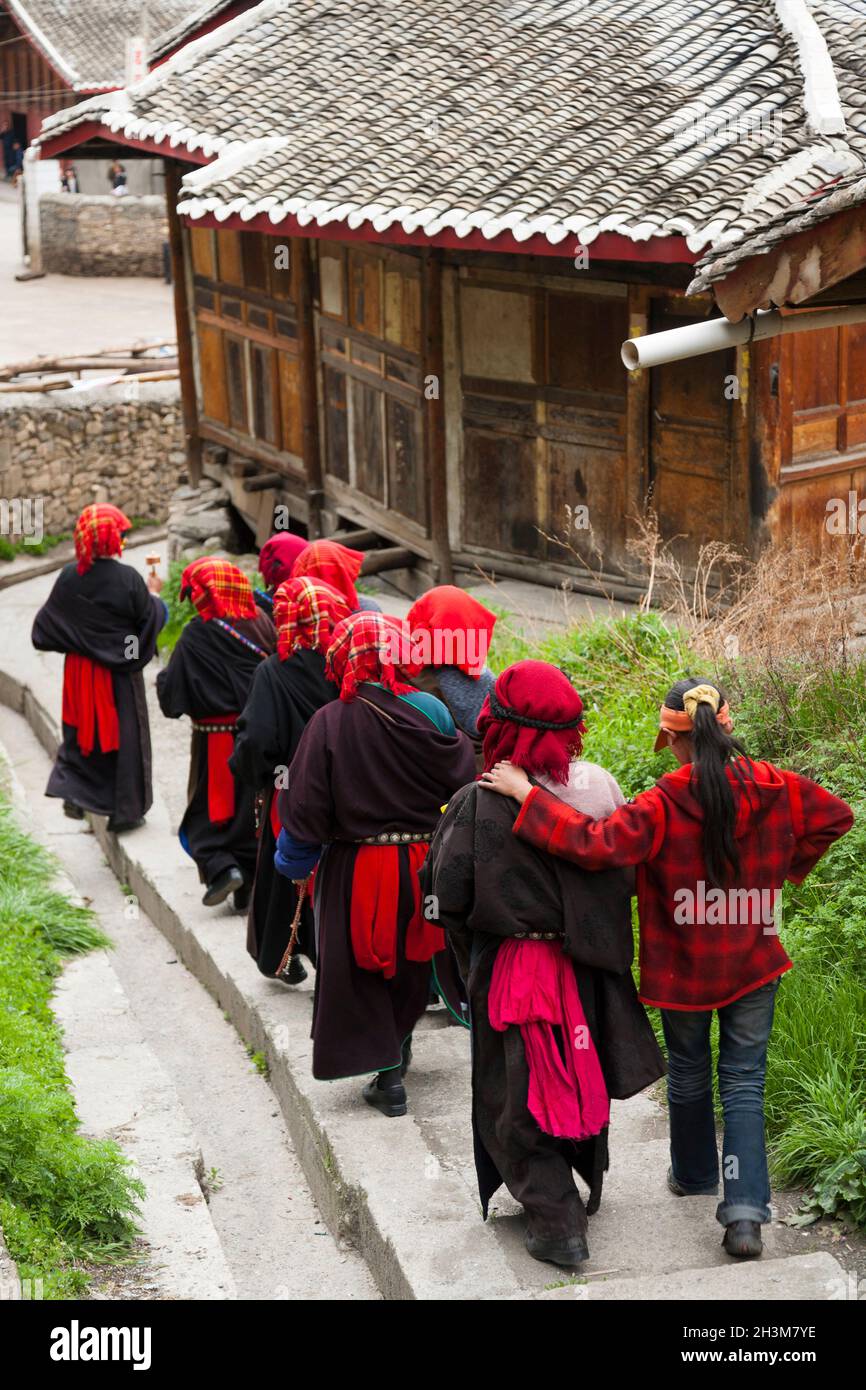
column 414, row 827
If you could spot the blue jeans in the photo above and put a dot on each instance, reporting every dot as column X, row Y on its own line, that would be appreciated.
column 744, row 1030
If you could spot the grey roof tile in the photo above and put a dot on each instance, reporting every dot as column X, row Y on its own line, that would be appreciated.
column 85, row 40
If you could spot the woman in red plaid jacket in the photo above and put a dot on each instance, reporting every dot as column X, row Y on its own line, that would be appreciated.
column 713, row 843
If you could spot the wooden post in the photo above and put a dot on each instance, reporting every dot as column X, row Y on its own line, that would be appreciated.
column 434, row 380
column 310, row 446
column 183, row 323
column 637, row 415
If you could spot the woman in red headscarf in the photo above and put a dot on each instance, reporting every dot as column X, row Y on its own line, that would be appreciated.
column 546, row 952
column 287, row 690
column 208, row 678
column 366, row 785
column 105, row 619
column 276, row 561
column 450, row 635
column 337, row 565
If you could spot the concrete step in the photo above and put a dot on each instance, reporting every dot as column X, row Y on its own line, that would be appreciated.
column 123, row 1093
column 797, row 1277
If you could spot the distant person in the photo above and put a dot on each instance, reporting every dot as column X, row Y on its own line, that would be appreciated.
column 117, row 178
column 276, row 560
column 365, row 787
column 286, row 691
column 102, row 617
column 337, row 565
column 208, row 678
column 17, row 160
column 451, row 631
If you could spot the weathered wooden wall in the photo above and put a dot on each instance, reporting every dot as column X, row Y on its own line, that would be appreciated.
column 503, row 377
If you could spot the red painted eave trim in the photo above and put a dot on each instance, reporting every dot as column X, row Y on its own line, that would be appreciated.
column 56, row 145
column 609, row 246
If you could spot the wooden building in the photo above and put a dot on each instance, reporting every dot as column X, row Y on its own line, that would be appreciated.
column 53, row 53
column 418, row 336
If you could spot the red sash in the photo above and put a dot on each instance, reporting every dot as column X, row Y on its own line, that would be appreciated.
column 373, row 912
column 220, row 779
column 88, row 704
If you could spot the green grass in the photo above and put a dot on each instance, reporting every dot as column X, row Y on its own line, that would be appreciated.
column 810, row 716
column 65, row 1201
column 9, row 550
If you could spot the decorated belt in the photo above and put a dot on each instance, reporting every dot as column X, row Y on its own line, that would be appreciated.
column 538, row 936
column 395, row 837
column 214, row 728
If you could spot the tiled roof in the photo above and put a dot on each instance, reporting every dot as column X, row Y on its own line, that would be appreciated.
column 199, row 13
column 845, row 193
column 704, row 118
column 85, row 40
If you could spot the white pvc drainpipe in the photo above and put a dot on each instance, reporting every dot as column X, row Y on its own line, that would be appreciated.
column 714, row 335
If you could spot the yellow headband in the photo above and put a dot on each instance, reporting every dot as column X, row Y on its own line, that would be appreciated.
column 701, row 695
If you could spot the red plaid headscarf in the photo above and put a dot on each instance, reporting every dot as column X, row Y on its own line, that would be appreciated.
column 333, row 564
column 99, row 534
column 305, row 615
column 218, row 589
column 534, row 718
column 363, row 648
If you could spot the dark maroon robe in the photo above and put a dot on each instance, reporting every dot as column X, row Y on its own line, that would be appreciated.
column 284, row 697
column 210, row 674
column 362, row 771
column 491, row 885
column 95, row 614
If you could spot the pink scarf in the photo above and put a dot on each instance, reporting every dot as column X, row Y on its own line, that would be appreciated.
column 533, row 987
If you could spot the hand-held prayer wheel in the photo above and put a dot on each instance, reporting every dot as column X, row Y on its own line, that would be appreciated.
column 153, row 561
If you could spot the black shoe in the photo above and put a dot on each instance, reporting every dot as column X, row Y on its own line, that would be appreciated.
column 407, row 1056
column 294, row 972
column 241, row 899
column 73, row 811
column 391, row 1100
column 557, row 1250
column 678, row 1191
column 229, row 881
column 742, row 1239
column 118, row 827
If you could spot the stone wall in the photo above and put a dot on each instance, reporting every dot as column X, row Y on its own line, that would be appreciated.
column 101, row 234
column 72, row 448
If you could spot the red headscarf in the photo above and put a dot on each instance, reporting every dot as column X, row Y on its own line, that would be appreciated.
column 334, row 564
column 218, row 589
column 305, row 615
column 451, row 628
column 278, row 555
column 363, row 648
column 99, row 534
column 534, row 718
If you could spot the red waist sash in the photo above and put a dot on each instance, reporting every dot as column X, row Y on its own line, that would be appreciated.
column 373, row 916
column 220, row 779
column 88, row 704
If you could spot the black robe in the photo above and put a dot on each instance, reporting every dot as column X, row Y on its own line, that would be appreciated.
column 284, row 697
column 210, row 674
column 490, row 884
column 95, row 615
column 361, row 771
